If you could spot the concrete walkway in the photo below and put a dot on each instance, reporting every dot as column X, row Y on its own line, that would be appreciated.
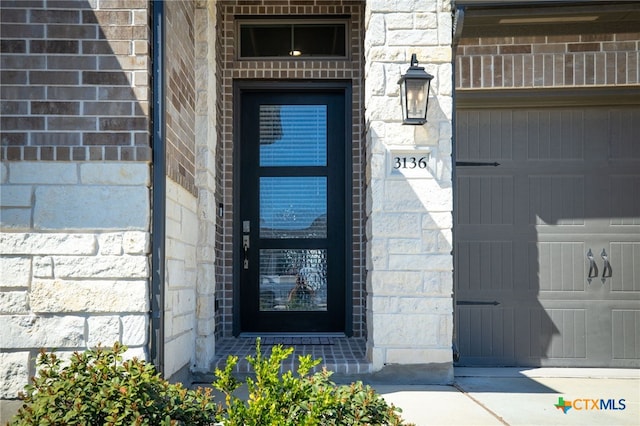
column 508, row 396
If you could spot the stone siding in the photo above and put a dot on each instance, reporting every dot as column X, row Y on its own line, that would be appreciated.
column 409, row 226
column 206, row 183
column 548, row 61
column 180, row 278
column 72, row 290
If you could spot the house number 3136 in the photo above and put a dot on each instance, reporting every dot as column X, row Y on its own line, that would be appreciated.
column 409, row 162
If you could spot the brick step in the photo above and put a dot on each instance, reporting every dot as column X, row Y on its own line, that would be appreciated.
column 341, row 355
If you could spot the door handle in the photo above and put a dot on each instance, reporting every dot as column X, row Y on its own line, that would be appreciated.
column 245, row 247
column 593, row 268
column 607, row 271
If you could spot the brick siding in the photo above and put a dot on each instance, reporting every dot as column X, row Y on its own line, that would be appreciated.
column 230, row 69
column 180, row 93
column 548, row 61
column 74, row 81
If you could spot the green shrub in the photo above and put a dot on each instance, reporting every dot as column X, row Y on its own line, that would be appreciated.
column 99, row 388
column 302, row 399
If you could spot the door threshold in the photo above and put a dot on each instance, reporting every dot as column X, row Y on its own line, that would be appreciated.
column 280, row 334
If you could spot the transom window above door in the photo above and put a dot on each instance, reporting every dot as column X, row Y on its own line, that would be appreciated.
column 293, row 39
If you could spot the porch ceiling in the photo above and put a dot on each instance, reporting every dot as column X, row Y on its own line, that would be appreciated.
column 508, row 18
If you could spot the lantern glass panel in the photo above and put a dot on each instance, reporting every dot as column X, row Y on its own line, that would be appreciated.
column 417, row 92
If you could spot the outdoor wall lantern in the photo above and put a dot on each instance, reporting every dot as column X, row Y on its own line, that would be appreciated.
column 414, row 93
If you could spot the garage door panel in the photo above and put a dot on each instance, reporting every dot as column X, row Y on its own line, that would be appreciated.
column 490, row 268
column 501, row 261
column 557, row 200
column 561, row 134
column 554, row 135
column 625, row 331
column 571, row 340
column 488, row 265
column 624, row 127
column 492, row 126
column 502, row 335
column 535, row 332
column 561, row 266
column 625, row 200
column 523, row 230
column 564, row 136
column 492, row 198
column 595, row 134
column 625, row 267
column 492, row 333
column 489, row 332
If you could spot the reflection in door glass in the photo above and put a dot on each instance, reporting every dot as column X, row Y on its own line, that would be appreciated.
column 293, row 135
column 293, row 280
column 293, row 207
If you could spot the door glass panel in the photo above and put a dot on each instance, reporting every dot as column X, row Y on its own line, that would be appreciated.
column 293, row 280
column 293, row 135
column 293, row 207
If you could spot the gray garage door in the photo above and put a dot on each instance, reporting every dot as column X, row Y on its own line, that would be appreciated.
column 531, row 231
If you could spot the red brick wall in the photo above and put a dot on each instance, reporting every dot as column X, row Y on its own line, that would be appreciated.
column 548, row 61
column 229, row 69
column 74, row 81
column 180, row 93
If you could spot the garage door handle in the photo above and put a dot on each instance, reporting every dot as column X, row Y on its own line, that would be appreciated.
column 607, row 272
column 593, row 268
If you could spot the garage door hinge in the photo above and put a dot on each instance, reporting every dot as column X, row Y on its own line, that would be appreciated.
column 477, row 302
column 476, row 163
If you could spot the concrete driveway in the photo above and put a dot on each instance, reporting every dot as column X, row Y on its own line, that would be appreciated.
column 509, row 396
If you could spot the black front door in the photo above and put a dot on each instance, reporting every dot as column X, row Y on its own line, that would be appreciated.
column 291, row 225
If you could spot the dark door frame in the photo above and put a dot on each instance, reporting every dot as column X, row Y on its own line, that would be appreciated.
column 343, row 87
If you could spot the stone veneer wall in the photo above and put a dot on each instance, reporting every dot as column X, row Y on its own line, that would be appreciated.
column 206, row 183
column 180, row 278
column 74, row 261
column 409, row 263
column 230, row 68
column 74, row 202
column 571, row 60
